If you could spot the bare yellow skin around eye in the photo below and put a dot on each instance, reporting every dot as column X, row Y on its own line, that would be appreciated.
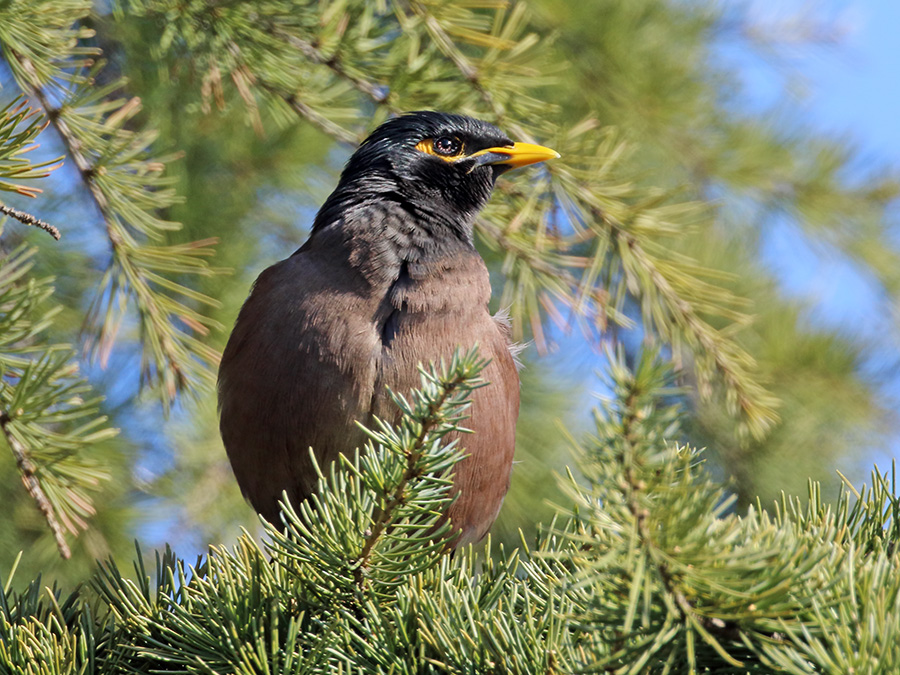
column 427, row 146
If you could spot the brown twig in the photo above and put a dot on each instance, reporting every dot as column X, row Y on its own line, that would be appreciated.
column 73, row 147
column 29, row 219
column 32, row 484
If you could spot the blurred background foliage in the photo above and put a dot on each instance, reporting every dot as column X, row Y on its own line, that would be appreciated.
column 254, row 127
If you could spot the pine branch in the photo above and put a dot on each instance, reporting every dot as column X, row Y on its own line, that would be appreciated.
column 72, row 145
column 151, row 310
column 318, row 120
column 128, row 190
column 754, row 404
column 28, row 470
column 20, row 127
column 48, row 423
column 649, row 561
column 647, row 528
column 614, row 249
column 378, row 517
column 634, row 489
column 377, row 94
column 447, row 45
column 429, row 418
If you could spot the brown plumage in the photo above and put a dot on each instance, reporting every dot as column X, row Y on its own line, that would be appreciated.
column 388, row 279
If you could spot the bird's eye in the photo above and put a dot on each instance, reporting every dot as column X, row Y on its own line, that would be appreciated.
column 447, row 146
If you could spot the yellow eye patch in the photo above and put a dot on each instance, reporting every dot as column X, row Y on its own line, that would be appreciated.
column 446, row 148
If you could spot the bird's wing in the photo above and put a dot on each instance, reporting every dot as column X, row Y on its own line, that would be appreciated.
column 298, row 371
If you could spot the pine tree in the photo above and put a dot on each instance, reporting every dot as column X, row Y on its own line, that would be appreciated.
column 647, row 566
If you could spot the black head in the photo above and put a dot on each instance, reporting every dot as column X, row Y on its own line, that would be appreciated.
column 440, row 167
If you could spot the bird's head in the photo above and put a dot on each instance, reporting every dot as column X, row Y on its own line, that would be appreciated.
column 441, row 167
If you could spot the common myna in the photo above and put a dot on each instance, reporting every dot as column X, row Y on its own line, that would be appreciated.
column 388, row 279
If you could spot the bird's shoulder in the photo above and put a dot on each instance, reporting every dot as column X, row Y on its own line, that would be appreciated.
column 300, row 311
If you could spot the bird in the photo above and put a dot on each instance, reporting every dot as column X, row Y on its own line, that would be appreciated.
column 388, row 279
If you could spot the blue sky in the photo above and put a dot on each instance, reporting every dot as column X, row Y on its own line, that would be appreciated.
column 852, row 90
column 848, row 89
column 850, row 84
column 858, row 89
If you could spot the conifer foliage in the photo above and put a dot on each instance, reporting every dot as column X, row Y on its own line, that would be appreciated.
column 646, row 568
column 645, row 572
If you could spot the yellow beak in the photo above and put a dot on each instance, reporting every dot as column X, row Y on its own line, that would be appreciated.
column 520, row 154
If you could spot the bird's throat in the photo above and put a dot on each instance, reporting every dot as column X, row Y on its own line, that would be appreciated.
column 384, row 241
